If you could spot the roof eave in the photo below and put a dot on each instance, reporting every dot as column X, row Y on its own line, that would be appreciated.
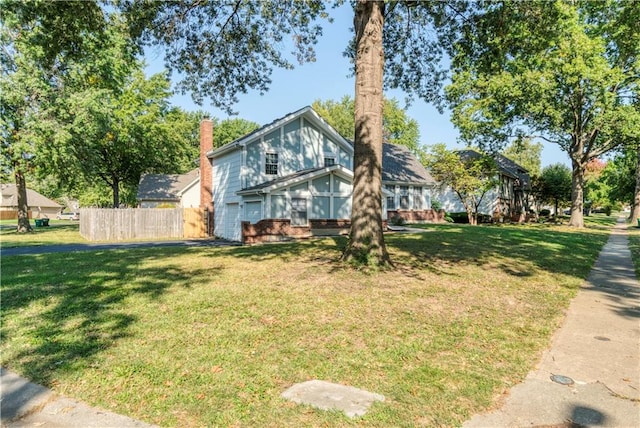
column 280, row 184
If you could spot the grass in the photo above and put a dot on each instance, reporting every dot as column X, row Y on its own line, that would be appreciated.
column 59, row 232
column 213, row 336
column 634, row 245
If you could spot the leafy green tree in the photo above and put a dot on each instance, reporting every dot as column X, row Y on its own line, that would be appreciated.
column 43, row 43
column 23, row 91
column 397, row 127
column 526, row 153
column 597, row 190
column 228, row 130
column 118, row 136
column 561, row 71
column 469, row 174
column 98, row 118
column 555, row 185
column 620, row 176
column 339, row 114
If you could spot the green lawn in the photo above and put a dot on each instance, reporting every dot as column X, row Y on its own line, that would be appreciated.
column 634, row 245
column 58, row 232
column 213, row 336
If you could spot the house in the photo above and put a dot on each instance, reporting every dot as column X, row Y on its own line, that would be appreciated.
column 294, row 177
column 39, row 206
column 169, row 190
column 508, row 201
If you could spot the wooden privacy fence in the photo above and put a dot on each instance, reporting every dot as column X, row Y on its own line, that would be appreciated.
column 12, row 214
column 100, row 224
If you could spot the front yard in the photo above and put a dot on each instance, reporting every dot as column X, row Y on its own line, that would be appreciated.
column 58, row 232
column 213, row 336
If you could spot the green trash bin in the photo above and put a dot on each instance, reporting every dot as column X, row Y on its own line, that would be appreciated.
column 39, row 222
column 638, row 221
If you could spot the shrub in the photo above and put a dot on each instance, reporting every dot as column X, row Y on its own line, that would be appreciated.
column 460, row 217
column 436, row 205
column 396, row 220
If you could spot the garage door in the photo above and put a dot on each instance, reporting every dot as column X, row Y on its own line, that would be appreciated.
column 232, row 222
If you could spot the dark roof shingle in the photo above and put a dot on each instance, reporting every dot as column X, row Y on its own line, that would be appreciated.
column 34, row 199
column 164, row 186
column 400, row 165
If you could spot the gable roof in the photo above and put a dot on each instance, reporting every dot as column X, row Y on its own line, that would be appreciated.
column 165, row 187
column 505, row 165
column 400, row 165
column 515, row 169
column 308, row 112
column 34, row 199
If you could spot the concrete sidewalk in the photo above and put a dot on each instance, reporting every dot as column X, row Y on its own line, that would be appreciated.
column 25, row 404
column 594, row 358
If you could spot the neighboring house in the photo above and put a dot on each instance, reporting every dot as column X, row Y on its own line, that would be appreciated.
column 508, row 201
column 293, row 178
column 169, row 190
column 39, row 206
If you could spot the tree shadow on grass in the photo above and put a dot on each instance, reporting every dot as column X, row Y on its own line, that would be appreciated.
column 327, row 248
column 553, row 251
column 441, row 247
column 56, row 322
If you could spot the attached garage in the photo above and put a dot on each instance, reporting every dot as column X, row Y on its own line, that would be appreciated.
column 232, row 222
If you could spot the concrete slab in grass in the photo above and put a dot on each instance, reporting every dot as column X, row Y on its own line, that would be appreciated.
column 323, row 395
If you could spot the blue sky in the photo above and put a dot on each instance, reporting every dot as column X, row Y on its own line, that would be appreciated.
column 327, row 79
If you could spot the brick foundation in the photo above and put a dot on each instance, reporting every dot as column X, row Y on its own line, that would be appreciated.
column 277, row 230
column 419, row 216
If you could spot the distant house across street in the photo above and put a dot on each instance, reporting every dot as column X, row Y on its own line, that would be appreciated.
column 508, row 201
column 39, row 206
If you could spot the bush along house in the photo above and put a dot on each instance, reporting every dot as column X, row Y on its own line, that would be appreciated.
column 292, row 178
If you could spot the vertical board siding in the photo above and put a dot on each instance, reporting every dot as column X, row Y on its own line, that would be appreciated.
column 98, row 224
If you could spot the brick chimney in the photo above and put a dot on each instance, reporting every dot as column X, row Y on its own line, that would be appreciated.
column 206, row 179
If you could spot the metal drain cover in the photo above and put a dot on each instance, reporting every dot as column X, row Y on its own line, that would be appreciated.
column 562, row 380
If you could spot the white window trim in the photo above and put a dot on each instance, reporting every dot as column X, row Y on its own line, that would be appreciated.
column 328, row 155
column 278, row 166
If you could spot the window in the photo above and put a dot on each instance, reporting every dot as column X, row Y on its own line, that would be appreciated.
column 391, row 200
column 417, row 198
column 298, row 212
column 404, row 198
column 329, row 161
column 271, row 164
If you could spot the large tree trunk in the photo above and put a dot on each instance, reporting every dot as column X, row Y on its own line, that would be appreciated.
column 23, row 205
column 635, row 209
column 577, row 194
column 366, row 243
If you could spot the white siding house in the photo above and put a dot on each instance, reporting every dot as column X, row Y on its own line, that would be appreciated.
column 299, row 169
